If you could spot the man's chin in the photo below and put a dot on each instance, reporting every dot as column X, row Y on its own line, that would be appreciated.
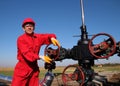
column 29, row 33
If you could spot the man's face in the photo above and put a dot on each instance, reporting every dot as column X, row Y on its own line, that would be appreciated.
column 28, row 28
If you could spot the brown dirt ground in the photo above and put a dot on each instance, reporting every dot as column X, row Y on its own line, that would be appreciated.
column 113, row 77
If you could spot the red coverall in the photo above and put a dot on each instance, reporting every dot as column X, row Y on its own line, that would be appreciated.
column 26, row 71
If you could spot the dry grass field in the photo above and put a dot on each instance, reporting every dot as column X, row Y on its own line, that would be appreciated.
column 112, row 72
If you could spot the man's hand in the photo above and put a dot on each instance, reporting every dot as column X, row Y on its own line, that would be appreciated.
column 55, row 42
column 46, row 59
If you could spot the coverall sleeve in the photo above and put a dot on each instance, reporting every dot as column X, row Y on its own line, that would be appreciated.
column 26, row 51
column 46, row 38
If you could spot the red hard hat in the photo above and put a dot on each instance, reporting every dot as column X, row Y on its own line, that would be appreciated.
column 28, row 20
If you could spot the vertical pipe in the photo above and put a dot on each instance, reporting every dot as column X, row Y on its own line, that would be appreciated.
column 84, row 36
column 82, row 9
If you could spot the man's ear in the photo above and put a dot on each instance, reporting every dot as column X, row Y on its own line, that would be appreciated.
column 23, row 28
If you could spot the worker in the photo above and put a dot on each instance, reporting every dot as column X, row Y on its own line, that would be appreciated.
column 26, row 71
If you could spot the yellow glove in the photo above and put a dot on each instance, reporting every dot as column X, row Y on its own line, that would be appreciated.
column 46, row 59
column 55, row 42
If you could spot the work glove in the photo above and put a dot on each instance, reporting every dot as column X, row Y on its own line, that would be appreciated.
column 55, row 42
column 46, row 59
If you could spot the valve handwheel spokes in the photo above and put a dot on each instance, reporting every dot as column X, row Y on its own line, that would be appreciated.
column 103, row 49
column 73, row 75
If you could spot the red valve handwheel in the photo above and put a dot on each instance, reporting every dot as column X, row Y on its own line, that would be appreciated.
column 104, row 49
column 73, row 75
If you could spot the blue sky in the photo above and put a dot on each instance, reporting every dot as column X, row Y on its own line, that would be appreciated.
column 62, row 17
